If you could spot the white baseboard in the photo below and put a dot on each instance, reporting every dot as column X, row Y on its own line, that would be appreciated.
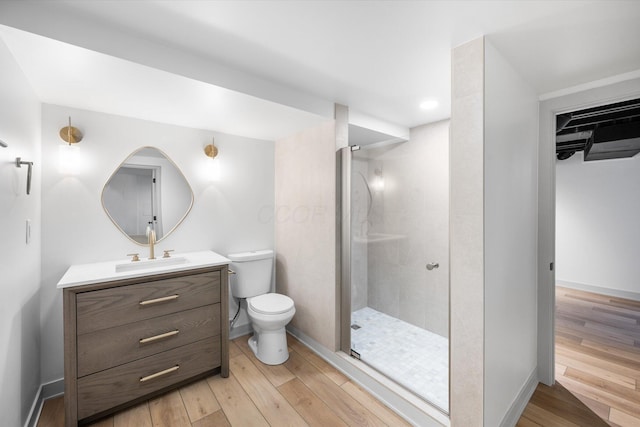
column 517, row 407
column 46, row 391
column 635, row 296
column 414, row 410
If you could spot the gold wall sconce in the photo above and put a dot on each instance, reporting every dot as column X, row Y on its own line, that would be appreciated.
column 71, row 134
column 69, row 155
column 211, row 151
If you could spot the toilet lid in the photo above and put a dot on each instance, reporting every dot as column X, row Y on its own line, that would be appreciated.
column 271, row 304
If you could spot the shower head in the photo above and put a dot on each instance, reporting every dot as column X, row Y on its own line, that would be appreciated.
column 3, row 144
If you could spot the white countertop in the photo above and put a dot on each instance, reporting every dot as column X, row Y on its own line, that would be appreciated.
column 85, row 274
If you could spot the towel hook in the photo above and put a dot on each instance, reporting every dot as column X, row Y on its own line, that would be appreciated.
column 19, row 163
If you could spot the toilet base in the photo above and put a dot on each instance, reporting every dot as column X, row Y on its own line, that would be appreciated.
column 270, row 347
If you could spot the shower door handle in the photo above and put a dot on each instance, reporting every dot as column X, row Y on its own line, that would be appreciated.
column 432, row 265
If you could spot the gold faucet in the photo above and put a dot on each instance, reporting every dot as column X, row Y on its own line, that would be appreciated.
column 152, row 243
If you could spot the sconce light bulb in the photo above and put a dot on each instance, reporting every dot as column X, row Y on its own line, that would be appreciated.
column 69, row 159
column 213, row 169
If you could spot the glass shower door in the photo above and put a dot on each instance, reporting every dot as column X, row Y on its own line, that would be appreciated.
column 398, row 286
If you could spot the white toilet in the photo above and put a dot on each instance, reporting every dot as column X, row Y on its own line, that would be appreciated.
column 269, row 313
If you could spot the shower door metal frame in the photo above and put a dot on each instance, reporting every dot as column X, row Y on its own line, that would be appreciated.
column 345, row 157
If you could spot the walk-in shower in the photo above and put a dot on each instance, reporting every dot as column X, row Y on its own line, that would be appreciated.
column 395, row 267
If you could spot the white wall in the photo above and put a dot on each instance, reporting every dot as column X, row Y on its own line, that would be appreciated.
column 19, row 262
column 597, row 232
column 231, row 215
column 510, row 246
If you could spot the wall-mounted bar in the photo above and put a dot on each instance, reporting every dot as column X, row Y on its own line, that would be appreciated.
column 19, row 163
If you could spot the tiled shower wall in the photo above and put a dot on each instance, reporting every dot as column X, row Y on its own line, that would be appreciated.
column 360, row 209
column 406, row 227
column 305, row 229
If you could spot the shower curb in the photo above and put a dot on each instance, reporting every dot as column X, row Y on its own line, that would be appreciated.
column 423, row 416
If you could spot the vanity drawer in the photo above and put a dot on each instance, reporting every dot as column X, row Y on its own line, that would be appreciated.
column 120, row 305
column 119, row 385
column 111, row 347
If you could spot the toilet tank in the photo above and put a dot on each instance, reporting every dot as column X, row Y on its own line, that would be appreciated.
column 253, row 273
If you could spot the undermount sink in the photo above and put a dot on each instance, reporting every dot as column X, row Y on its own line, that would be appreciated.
column 149, row 263
column 105, row 271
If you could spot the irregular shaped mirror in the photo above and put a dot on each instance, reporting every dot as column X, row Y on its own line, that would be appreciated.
column 147, row 191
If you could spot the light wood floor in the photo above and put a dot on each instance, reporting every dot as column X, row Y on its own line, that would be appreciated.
column 306, row 390
column 597, row 373
column 597, row 361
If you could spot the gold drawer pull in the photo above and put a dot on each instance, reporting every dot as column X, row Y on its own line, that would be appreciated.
column 159, row 374
column 159, row 337
column 158, row 300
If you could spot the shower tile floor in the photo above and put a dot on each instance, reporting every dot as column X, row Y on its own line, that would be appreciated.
column 411, row 356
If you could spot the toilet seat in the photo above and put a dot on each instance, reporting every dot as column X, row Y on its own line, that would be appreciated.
column 271, row 304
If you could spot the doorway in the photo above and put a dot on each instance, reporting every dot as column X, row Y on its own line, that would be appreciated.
column 597, row 206
column 136, row 186
column 549, row 109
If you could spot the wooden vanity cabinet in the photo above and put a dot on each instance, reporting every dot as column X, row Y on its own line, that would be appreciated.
column 128, row 340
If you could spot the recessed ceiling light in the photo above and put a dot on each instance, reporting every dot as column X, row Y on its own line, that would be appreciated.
column 429, row 104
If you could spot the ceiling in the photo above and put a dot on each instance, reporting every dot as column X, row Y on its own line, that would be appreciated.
column 265, row 68
column 68, row 75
